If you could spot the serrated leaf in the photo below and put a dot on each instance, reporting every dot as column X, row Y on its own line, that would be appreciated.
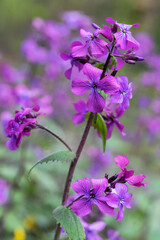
column 62, row 156
column 100, row 125
column 70, row 223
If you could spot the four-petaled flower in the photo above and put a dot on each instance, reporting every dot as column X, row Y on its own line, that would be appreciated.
column 124, row 94
column 108, row 84
column 21, row 126
column 124, row 38
column 119, row 198
column 93, row 45
column 90, row 196
column 127, row 176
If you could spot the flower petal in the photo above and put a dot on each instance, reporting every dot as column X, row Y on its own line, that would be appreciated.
column 82, row 207
column 113, row 200
column 108, row 84
column 121, row 161
column 82, row 186
column 96, row 102
column 103, row 206
column 120, row 215
column 121, row 189
column 92, row 73
column 79, row 87
column 99, row 185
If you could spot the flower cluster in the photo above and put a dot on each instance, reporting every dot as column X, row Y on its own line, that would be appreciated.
column 22, row 124
column 107, row 193
column 98, row 61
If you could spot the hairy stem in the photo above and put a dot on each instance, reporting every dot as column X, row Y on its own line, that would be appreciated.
column 54, row 135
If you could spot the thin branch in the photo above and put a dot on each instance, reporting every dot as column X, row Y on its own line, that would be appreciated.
column 54, row 135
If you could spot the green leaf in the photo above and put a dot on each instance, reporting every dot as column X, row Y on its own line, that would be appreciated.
column 113, row 62
column 100, row 125
column 70, row 223
column 63, row 156
column 99, row 65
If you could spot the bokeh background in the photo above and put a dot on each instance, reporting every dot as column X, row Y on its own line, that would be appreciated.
column 31, row 202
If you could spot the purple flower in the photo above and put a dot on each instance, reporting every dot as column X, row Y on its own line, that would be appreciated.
column 111, row 121
column 91, row 196
column 93, row 45
column 21, row 126
column 114, row 235
column 74, row 61
column 127, row 176
column 124, row 94
column 104, row 160
column 119, row 198
column 75, row 19
column 81, row 109
column 92, row 229
column 108, row 84
column 4, row 191
column 124, row 38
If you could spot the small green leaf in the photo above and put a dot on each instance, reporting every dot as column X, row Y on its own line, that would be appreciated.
column 113, row 62
column 70, row 223
column 99, row 65
column 63, row 156
column 100, row 125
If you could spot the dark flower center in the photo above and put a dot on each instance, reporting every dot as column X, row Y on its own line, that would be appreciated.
column 92, row 195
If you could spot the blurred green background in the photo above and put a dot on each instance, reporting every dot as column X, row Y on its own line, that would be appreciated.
column 36, row 198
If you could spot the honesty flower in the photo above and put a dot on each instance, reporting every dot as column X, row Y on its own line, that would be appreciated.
column 127, row 176
column 119, row 198
column 124, row 94
column 124, row 38
column 108, row 84
column 74, row 61
column 21, row 126
column 93, row 45
column 111, row 120
column 91, row 196
column 92, row 229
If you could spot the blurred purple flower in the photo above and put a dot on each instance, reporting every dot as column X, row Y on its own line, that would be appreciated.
column 74, row 61
column 91, row 196
column 75, row 19
column 111, row 120
column 114, row 235
column 92, row 229
column 119, row 198
column 81, row 109
column 4, row 191
column 99, row 161
column 21, row 126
